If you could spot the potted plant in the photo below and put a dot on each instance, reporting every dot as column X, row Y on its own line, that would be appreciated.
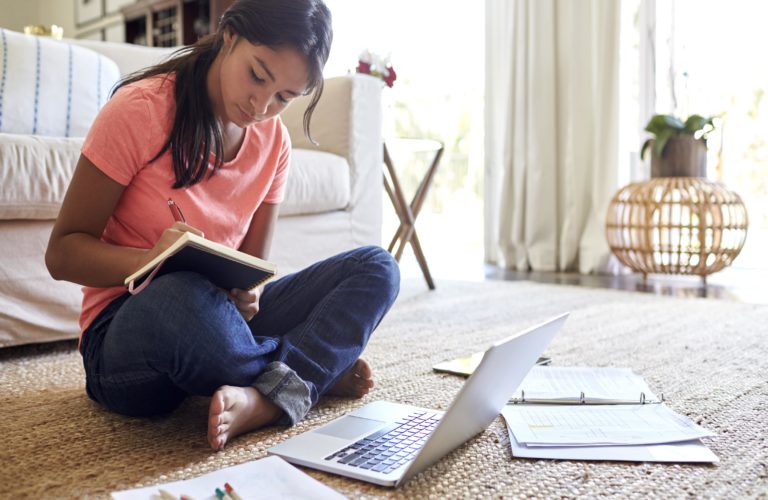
column 678, row 148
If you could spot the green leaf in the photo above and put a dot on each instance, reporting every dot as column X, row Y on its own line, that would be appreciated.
column 660, row 123
column 661, row 140
column 695, row 123
column 645, row 148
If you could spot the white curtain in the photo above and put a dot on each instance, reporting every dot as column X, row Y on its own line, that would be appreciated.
column 551, row 147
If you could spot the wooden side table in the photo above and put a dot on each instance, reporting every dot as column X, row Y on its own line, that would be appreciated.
column 407, row 213
column 676, row 225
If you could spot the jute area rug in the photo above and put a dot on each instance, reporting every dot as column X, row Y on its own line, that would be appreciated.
column 708, row 357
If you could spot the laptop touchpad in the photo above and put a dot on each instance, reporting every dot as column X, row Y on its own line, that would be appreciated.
column 350, row 427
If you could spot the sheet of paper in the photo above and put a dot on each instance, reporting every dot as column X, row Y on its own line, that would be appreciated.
column 558, row 425
column 685, row 452
column 268, row 478
column 553, row 382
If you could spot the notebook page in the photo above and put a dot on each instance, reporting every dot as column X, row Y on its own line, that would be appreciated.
column 267, row 478
column 573, row 425
column 552, row 382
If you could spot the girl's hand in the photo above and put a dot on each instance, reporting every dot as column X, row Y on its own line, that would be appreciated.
column 246, row 301
column 168, row 238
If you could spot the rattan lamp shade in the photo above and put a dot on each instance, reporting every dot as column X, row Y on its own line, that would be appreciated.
column 676, row 225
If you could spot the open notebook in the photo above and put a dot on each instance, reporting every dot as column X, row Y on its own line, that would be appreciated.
column 225, row 267
column 583, row 413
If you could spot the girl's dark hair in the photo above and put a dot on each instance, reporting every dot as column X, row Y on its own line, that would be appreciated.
column 304, row 25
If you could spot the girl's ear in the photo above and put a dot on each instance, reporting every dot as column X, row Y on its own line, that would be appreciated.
column 230, row 39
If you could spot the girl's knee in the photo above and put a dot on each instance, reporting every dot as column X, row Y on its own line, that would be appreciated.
column 181, row 293
column 180, row 285
column 174, row 303
column 384, row 266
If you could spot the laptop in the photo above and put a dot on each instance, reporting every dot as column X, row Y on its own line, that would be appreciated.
column 388, row 443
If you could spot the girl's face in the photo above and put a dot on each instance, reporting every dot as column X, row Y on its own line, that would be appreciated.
column 257, row 82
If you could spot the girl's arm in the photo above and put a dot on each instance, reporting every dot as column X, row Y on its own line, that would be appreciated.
column 257, row 242
column 258, row 239
column 75, row 251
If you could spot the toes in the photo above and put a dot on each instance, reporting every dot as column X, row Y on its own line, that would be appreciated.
column 218, row 437
column 216, row 442
column 356, row 382
column 223, row 438
column 362, row 369
column 363, row 383
column 218, row 420
column 214, row 420
column 217, row 403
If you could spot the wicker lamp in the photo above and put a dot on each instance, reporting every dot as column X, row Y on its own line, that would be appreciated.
column 678, row 222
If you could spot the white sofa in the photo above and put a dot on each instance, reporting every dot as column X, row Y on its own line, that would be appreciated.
column 333, row 200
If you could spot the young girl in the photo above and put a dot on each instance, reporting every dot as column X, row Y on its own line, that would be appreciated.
column 203, row 129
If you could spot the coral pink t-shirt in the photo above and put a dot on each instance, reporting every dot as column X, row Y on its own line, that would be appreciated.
column 129, row 131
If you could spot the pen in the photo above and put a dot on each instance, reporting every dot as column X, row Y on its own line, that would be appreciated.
column 178, row 216
column 220, row 494
column 231, row 491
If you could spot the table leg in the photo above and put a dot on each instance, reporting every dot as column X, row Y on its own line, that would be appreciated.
column 406, row 213
column 407, row 220
column 404, row 226
column 426, row 182
column 421, row 260
column 404, row 231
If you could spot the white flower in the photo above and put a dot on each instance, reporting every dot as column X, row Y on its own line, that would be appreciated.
column 366, row 56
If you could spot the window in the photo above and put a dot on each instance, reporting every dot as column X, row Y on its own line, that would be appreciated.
column 437, row 50
column 709, row 57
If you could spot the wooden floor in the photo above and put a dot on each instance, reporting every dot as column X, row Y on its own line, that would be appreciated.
column 744, row 285
column 733, row 283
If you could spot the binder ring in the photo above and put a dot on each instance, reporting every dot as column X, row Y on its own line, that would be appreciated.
column 642, row 398
column 582, row 398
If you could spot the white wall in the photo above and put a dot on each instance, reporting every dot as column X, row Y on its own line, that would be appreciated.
column 60, row 12
column 15, row 14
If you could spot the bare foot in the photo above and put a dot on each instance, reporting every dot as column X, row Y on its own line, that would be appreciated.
column 235, row 410
column 356, row 383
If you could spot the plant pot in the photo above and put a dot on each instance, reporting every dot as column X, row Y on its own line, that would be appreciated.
column 683, row 156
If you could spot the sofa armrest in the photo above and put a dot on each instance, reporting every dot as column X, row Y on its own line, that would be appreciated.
column 346, row 122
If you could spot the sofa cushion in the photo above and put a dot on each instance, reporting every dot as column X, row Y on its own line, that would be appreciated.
column 34, row 174
column 51, row 88
column 317, row 182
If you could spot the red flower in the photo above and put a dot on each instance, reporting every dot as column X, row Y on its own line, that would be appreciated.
column 391, row 76
column 371, row 64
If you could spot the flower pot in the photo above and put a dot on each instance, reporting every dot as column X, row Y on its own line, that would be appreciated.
column 683, row 156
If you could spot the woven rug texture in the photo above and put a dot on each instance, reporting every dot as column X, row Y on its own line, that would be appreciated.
column 708, row 358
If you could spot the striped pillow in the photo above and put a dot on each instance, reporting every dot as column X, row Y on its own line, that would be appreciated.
column 49, row 87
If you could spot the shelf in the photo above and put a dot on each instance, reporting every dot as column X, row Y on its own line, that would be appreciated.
column 170, row 23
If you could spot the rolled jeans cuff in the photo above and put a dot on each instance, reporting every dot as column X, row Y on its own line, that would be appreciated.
column 281, row 385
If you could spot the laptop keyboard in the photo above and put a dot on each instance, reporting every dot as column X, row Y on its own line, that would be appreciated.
column 387, row 449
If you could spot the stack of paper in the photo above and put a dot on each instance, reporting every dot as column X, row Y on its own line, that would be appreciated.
column 594, row 385
column 590, row 429
column 269, row 477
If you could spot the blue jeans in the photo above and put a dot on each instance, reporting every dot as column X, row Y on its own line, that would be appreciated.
column 145, row 353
